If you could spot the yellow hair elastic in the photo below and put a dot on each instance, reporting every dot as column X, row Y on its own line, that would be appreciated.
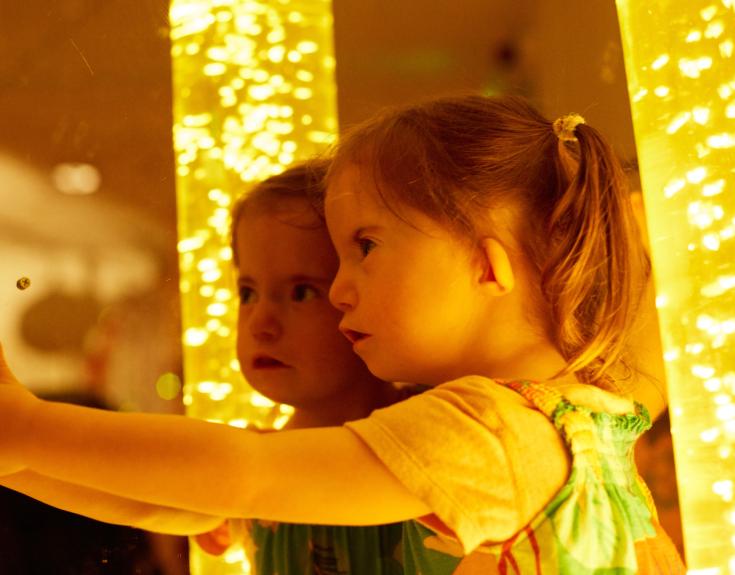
column 564, row 127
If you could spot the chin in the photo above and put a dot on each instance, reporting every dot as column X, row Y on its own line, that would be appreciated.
column 269, row 389
column 393, row 374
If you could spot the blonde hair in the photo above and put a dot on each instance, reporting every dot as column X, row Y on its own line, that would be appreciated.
column 459, row 160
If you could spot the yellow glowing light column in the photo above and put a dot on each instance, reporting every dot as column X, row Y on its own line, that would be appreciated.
column 680, row 62
column 253, row 91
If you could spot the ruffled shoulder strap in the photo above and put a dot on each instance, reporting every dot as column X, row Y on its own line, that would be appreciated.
column 576, row 424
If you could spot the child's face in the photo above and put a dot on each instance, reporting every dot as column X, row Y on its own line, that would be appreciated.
column 288, row 344
column 407, row 294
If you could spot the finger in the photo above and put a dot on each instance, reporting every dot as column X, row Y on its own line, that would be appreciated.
column 212, row 544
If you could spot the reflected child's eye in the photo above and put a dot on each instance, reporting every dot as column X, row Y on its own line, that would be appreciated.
column 304, row 292
column 247, row 295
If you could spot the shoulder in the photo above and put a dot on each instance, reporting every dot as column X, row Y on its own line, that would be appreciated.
column 488, row 400
column 481, row 390
column 478, row 415
column 471, row 444
column 476, row 402
column 596, row 399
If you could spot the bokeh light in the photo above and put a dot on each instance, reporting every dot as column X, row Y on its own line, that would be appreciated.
column 681, row 79
column 254, row 91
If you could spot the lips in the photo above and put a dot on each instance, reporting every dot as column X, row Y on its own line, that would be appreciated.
column 353, row 335
column 267, row 362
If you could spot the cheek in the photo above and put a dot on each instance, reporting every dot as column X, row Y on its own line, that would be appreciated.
column 325, row 342
column 241, row 340
column 326, row 319
column 320, row 326
column 399, row 305
column 337, row 359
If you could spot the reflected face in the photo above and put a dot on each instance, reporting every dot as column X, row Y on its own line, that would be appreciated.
column 407, row 294
column 288, row 344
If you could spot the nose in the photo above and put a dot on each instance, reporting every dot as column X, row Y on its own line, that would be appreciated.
column 264, row 323
column 342, row 292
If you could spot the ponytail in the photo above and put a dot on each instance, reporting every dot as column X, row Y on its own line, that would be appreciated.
column 592, row 276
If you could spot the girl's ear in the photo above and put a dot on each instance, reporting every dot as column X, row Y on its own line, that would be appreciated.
column 496, row 272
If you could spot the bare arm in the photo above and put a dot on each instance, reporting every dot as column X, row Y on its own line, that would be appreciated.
column 647, row 352
column 109, row 508
column 323, row 475
column 645, row 339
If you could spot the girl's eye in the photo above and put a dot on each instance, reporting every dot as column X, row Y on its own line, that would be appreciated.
column 303, row 292
column 366, row 246
column 247, row 295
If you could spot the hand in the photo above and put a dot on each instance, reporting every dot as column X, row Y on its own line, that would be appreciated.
column 16, row 403
column 217, row 541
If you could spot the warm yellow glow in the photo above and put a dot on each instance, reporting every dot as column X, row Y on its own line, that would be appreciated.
column 681, row 78
column 253, row 92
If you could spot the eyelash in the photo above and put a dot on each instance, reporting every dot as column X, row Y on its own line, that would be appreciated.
column 365, row 245
column 298, row 293
column 245, row 292
column 299, row 297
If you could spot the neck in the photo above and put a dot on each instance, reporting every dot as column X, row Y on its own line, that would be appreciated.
column 521, row 352
column 538, row 361
column 511, row 342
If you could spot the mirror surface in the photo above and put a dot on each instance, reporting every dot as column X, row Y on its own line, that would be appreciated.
column 87, row 205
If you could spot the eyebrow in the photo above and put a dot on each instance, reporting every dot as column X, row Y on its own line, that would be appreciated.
column 368, row 229
column 296, row 278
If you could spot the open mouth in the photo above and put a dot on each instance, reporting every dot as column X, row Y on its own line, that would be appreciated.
column 354, row 336
column 267, row 362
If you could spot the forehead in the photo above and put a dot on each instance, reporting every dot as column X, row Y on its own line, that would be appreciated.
column 350, row 184
column 353, row 200
column 353, row 196
column 291, row 209
column 289, row 238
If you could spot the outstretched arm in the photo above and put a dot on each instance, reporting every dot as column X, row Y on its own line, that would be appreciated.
column 93, row 503
column 324, row 475
column 647, row 352
column 109, row 508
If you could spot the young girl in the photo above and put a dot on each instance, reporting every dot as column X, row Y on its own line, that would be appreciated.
column 489, row 254
column 291, row 351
